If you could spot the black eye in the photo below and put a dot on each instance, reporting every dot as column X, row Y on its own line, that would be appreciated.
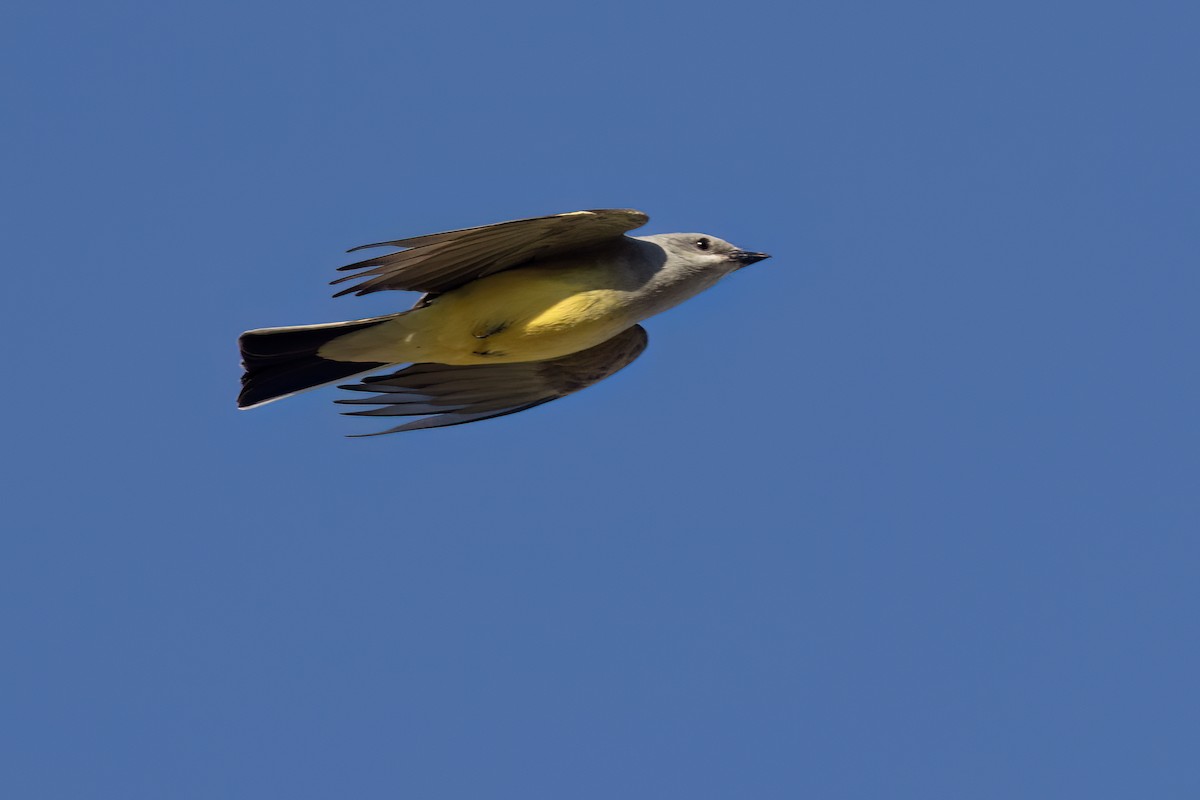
column 703, row 243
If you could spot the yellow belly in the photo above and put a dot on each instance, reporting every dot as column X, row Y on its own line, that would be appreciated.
column 528, row 314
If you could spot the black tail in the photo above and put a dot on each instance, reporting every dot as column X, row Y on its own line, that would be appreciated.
column 283, row 361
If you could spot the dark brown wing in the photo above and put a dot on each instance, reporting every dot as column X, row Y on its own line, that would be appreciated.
column 440, row 262
column 451, row 395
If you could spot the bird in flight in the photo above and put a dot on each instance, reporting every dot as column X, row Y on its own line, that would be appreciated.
column 513, row 315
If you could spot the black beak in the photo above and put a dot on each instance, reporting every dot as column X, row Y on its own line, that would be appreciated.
column 746, row 258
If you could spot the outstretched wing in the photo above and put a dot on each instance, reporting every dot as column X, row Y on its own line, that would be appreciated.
column 445, row 394
column 440, row 262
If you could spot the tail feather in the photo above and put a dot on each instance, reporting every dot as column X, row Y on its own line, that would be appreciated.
column 283, row 361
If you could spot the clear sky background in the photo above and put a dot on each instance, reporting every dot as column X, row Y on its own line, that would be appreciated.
column 908, row 511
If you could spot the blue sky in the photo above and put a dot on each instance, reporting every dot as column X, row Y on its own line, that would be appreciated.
column 909, row 510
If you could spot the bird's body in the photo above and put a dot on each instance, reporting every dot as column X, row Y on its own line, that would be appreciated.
column 528, row 314
column 548, row 311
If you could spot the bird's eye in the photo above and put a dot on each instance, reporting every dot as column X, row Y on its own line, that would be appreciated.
column 703, row 243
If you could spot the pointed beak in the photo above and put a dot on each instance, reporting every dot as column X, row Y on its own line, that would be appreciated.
column 746, row 258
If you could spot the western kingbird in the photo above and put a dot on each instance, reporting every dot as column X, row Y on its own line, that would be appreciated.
column 514, row 315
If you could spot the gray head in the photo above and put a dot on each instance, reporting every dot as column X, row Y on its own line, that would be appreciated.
column 704, row 251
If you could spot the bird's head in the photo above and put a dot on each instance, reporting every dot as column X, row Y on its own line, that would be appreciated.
column 706, row 252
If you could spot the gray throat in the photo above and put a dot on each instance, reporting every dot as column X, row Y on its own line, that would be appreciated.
column 663, row 282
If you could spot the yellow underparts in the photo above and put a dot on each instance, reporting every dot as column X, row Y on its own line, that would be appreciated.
column 526, row 314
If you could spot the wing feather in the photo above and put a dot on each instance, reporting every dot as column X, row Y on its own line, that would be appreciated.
column 445, row 394
column 440, row 262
